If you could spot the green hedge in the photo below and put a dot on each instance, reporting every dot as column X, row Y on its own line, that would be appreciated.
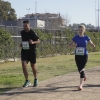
column 50, row 46
column 52, row 43
column 6, row 45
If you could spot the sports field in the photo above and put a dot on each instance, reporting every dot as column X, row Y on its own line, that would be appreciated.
column 11, row 75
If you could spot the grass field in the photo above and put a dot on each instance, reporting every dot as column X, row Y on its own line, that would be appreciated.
column 11, row 75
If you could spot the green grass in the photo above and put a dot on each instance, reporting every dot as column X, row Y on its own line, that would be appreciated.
column 11, row 75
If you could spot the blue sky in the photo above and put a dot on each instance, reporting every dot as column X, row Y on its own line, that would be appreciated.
column 78, row 11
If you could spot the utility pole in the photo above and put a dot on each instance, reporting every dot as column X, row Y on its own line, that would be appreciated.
column 98, row 16
column 95, row 15
column 35, row 14
column 28, row 12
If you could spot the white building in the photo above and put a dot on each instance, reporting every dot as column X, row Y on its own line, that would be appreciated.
column 33, row 23
column 47, row 20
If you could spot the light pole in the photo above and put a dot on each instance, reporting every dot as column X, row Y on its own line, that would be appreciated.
column 95, row 15
column 35, row 14
column 28, row 12
column 98, row 15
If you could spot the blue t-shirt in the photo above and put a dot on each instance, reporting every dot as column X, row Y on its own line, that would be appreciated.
column 81, row 44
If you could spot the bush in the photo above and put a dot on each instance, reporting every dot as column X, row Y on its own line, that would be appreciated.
column 6, row 44
column 57, row 42
column 52, row 43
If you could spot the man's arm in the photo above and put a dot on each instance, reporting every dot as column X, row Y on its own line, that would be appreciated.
column 34, row 39
column 34, row 42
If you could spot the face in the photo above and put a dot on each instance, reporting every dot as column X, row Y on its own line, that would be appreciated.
column 26, row 26
column 81, row 30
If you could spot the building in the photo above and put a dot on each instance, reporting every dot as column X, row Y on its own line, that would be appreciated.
column 33, row 23
column 52, row 21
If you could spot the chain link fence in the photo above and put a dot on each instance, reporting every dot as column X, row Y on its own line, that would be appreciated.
column 53, row 43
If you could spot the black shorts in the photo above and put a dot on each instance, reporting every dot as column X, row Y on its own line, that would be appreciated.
column 28, row 55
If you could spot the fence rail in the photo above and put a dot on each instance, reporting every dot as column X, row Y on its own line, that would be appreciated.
column 53, row 42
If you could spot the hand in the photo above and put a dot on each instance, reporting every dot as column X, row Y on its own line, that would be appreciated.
column 75, row 45
column 72, row 46
column 31, row 41
column 93, row 46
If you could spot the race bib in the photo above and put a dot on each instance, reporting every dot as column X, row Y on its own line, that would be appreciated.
column 80, row 51
column 25, row 45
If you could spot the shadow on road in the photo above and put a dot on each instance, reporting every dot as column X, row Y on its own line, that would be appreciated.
column 92, row 85
column 38, row 90
column 53, row 87
column 6, row 89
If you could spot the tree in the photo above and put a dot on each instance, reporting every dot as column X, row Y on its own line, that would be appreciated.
column 6, row 44
column 6, row 11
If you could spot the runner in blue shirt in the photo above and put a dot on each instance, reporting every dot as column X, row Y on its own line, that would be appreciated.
column 80, row 42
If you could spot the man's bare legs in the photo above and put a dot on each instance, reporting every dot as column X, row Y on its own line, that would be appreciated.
column 24, row 67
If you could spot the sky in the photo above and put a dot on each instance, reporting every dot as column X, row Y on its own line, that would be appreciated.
column 77, row 11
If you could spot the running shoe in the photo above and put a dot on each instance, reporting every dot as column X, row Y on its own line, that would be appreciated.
column 35, row 82
column 26, row 84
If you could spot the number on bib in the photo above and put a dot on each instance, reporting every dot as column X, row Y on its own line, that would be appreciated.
column 25, row 45
column 80, row 51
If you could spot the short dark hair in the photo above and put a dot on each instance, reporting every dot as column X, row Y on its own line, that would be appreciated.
column 26, row 21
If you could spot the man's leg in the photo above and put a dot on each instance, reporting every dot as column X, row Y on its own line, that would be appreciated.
column 33, row 66
column 24, row 67
column 34, row 70
column 35, row 74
